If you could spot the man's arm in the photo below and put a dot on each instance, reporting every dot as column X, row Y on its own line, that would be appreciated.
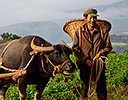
column 107, row 45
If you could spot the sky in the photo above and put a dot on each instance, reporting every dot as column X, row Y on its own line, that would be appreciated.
column 20, row 11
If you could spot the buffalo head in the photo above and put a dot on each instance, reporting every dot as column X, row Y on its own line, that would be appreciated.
column 56, row 58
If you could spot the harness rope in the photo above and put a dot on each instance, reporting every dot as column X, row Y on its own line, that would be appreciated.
column 100, row 62
column 58, row 66
column 17, row 73
column 90, row 94
column 5, row 51
column 1, row 59
column 23, row 71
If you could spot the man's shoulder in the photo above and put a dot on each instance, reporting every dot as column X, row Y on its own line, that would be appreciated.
column 103, row 28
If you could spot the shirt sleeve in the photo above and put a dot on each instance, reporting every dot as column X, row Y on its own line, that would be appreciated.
column 107, row 45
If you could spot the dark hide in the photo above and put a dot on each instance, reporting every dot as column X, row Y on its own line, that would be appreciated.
column 17, row 56
column 3, row 42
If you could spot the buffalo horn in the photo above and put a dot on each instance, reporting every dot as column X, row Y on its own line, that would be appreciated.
column 66, row 45
column 41, row 49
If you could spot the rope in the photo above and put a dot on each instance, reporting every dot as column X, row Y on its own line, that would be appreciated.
column 1, row 59
column 42, row 62
column 76, row 87
column 58, row 66
column 20, row 72
column 95, row 83
column 29, row 62
column 13, row 70
column 72, row 91
column 8, row 69
column 76, row 90
column 5, row 50
column 100, row 60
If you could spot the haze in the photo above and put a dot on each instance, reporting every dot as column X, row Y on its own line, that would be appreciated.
column 20, row 11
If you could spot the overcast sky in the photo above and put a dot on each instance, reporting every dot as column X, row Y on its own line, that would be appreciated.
column 20, row 11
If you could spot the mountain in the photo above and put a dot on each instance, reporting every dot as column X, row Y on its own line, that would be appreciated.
column 52, row 31
column 116, row 13
column 49, row 30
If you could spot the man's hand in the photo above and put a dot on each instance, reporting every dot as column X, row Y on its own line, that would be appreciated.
column 89, row 62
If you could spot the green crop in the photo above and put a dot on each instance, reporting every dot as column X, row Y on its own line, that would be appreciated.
column 57, row 89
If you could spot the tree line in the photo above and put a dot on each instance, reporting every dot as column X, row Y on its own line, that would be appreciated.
column 9, row 36
column 119, row 38
column 114, row 38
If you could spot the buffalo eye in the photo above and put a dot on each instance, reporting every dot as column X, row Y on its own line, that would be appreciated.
column 57, row 53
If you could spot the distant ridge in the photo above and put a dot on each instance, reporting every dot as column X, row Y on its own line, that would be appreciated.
column 52, row 31
column 116, row 13
column 49, row 30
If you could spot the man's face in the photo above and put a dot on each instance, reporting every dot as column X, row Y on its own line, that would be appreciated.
column 91, row 21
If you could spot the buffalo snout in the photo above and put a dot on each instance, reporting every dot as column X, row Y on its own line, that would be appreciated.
column 69, row 68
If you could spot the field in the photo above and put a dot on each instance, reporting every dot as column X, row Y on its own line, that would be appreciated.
column 57, row 89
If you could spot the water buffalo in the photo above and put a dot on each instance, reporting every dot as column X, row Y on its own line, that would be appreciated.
column 47, row 60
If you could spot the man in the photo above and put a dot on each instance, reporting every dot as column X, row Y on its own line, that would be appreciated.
column 87, row 45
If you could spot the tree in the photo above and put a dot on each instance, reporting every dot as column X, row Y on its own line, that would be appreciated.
column 7, row 36
column 125, row 51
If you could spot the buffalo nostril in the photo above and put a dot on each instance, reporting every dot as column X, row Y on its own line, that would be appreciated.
column 69, row 64
column 68, row 68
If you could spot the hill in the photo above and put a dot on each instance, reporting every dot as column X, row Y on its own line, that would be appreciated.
column 52, row 31
column 116, row 13
column 49, row 30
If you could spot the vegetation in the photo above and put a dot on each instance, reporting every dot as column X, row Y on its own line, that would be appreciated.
column 116, row 73
column 9, row 36
column 57, row 89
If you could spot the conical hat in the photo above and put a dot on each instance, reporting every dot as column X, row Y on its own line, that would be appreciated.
column 70, row 26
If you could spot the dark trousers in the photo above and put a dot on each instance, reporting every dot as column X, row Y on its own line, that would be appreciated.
column 101, row 84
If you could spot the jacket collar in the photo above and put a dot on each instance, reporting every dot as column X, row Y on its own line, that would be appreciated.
column 84, row 27
column 87, row 34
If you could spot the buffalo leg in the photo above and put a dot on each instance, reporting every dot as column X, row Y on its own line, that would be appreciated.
column 3, row 88
column 22, row 88
column 38, row 93
column 40, row 88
